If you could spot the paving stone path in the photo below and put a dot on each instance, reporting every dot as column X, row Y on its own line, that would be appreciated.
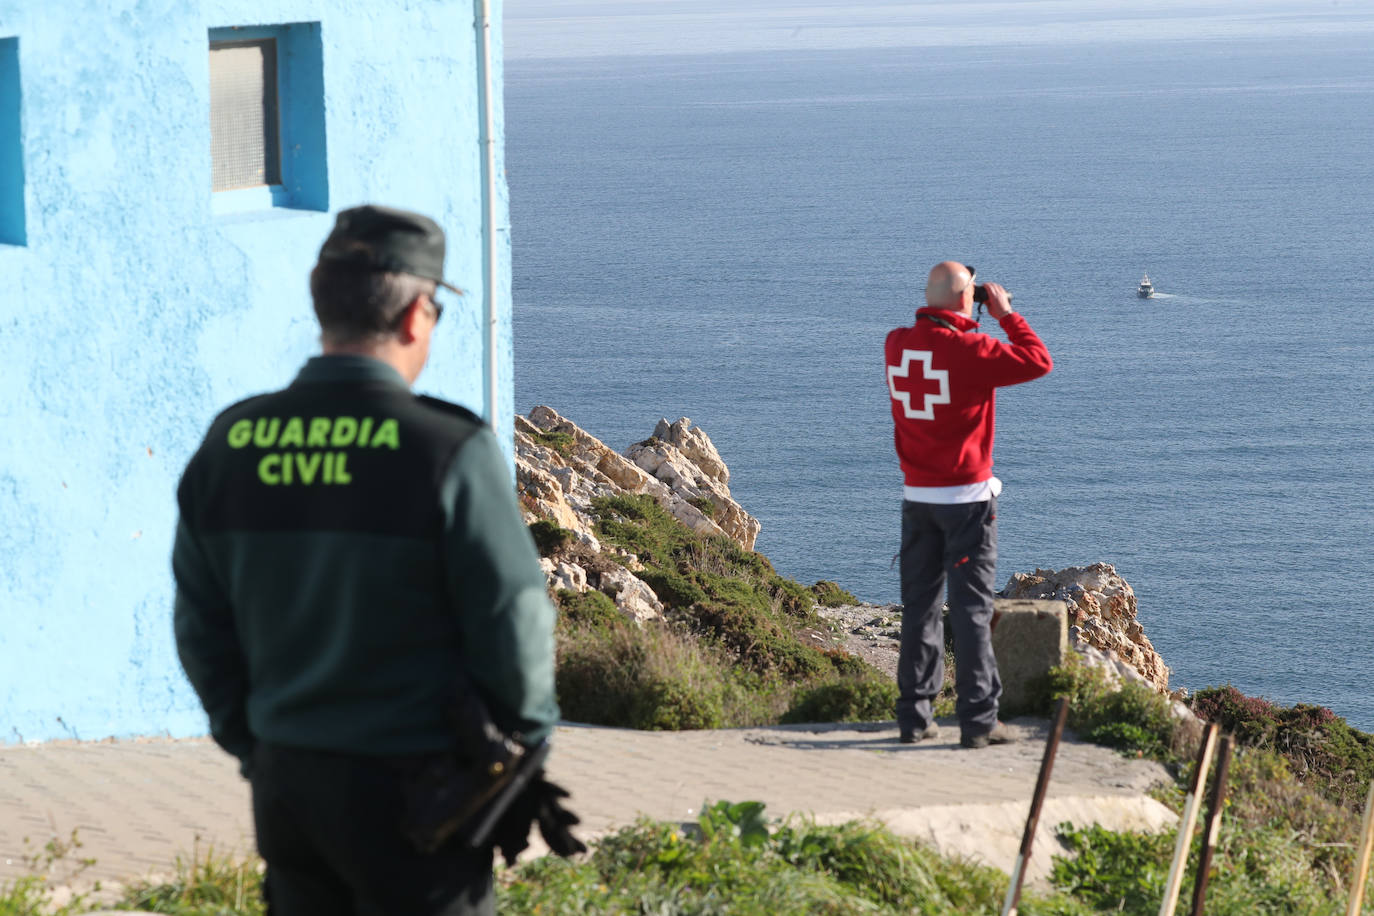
column 137, row 805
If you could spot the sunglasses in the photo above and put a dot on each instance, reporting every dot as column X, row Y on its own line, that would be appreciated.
column 435, row 303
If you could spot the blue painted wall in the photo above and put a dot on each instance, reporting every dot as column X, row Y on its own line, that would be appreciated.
column 132, row 311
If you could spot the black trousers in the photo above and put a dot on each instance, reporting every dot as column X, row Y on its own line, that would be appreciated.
column 328, row 827
column 954, row 545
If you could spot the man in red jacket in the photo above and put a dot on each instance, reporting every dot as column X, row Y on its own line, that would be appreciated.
column 943, row 381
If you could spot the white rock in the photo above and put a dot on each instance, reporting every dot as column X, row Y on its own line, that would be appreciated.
column 633, row 596
column 696, row 445
column 569, row 576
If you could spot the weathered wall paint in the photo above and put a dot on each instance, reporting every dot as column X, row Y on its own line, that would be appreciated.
column 133, row 312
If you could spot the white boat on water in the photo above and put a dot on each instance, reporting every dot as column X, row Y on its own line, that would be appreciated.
column 1146, row 289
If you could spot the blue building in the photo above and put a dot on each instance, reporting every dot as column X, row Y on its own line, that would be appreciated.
column 168, row 170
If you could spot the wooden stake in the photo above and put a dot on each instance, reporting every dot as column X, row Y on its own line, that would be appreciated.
column 1188, row 820
column 1362, row 857
column 1042, row 785
column 1213, row 828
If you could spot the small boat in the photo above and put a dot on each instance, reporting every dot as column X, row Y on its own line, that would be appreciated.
column 1146, row 289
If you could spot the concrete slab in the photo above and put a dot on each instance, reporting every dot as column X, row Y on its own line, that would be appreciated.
column 1028, row 638
column 137, row 805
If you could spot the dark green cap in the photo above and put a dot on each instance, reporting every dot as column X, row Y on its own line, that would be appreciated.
column 385, row 239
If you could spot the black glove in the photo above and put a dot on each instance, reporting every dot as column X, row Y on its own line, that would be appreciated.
column 555, row 821
column 539, row 803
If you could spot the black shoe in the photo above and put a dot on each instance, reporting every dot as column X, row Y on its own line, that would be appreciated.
column 1000, row 734
column 911, row 737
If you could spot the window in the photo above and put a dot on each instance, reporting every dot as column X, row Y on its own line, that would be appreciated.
column 267, row 137
column 11, row 147
column 244, row 149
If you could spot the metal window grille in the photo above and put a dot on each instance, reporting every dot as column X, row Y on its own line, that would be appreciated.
column 245, row 149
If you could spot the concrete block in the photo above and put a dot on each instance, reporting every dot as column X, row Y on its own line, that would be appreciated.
column 1028, row 638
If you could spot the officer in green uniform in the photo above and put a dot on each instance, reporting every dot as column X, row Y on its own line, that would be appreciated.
column 347, row 551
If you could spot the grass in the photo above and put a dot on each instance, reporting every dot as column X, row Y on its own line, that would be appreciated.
column 738, row 650
column 739, row 647
column 206, row 884
column 657, row 678
column 58, row 862
column 734, row 861
column 1288, row 834
column 561, row 443
column 1258, row 868
column 1285, row 848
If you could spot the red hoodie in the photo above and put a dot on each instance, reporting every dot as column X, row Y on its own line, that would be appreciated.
column 943, row 387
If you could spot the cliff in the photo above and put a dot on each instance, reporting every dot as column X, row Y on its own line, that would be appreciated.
column 561, row 470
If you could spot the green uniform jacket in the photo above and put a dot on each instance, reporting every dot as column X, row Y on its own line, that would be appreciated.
column 345, row 549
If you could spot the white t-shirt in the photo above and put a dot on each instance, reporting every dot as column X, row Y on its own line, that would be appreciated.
column 961, row 493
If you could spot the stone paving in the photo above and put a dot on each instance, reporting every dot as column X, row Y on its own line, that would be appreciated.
column 137, row 805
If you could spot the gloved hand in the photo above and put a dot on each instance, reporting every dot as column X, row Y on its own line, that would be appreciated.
column 556, row 821
column 541, row 803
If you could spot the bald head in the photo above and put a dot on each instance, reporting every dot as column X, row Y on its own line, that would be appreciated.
column 950, row 286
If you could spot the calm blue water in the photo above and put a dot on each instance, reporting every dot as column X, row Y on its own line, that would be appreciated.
column 728, row 237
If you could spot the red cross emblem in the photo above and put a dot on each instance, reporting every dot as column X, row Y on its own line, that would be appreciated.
column 919, row 387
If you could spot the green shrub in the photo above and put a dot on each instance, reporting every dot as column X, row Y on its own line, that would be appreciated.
column 829, row 594
column 590, row 610
column 1114, row 872
column 734, row 861
column 762, row 642
column 851, row 699
column 648, row 678
column 561, row 443
column 549, row 538
column 1127, row 715
column 1264, row 794
column 1127, row 736
column 707, row 507
column 1259, row 868
column 731, row 597
column 673, row 589
column 756, row 631
column 1318, row 744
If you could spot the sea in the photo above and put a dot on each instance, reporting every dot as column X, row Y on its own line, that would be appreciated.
column 719, row 210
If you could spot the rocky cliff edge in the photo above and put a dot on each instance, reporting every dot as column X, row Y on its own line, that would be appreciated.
column 561, row 468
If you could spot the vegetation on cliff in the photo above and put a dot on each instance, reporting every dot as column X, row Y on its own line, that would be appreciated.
column 732, row 860
column 735, row 643
column 1317, row 744
column 739, row 644
column 1286, row 844
column 1292, row 815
